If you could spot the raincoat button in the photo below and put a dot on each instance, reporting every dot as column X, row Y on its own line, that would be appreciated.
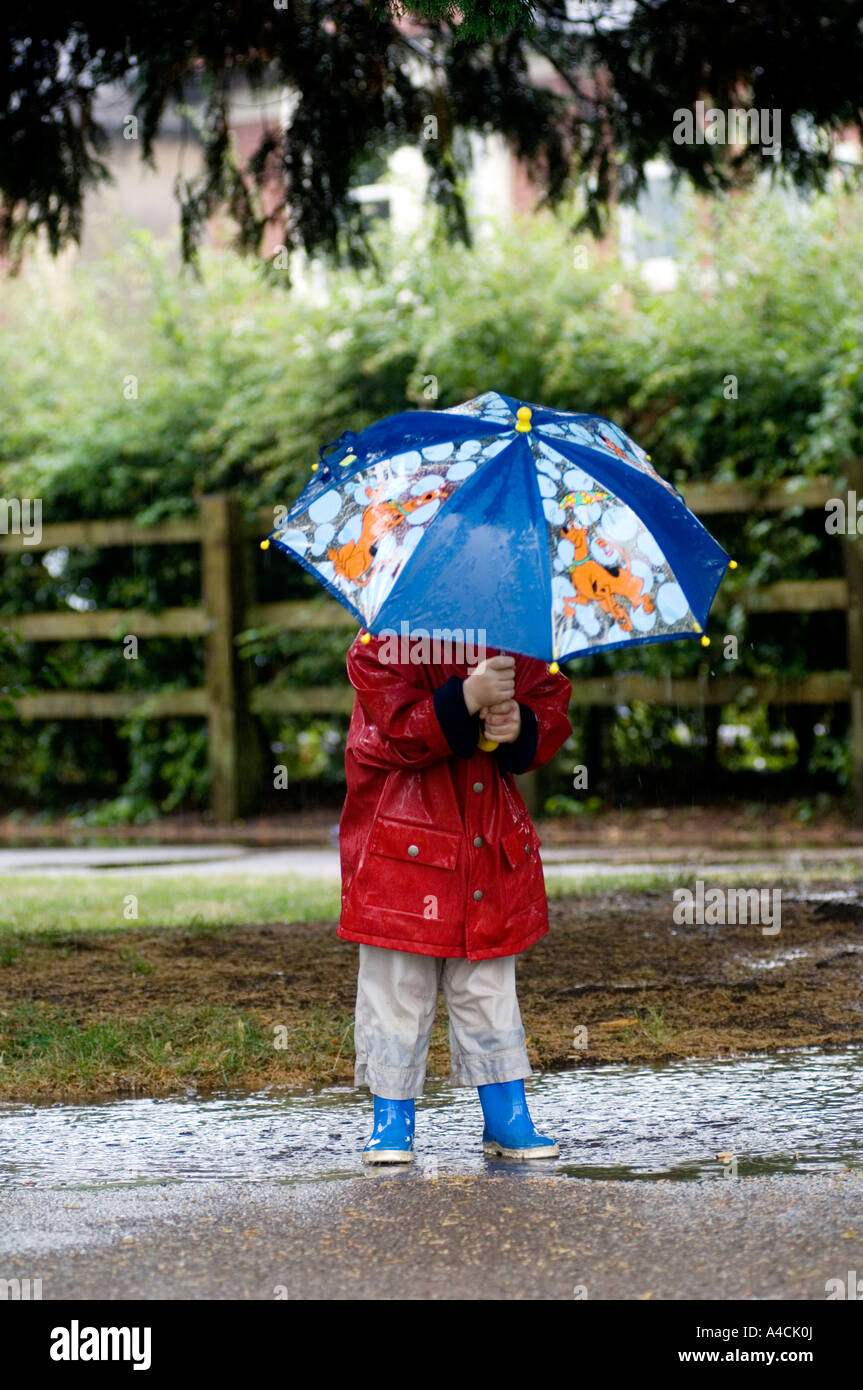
column 527, row 849
column 413, row 851
column 477, row 895
column 477, row 786
column 478, row 842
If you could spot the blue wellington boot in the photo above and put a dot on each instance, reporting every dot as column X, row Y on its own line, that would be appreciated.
column 509, row 1131
column 392, row 1138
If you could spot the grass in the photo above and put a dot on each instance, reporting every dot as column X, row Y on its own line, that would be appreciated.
column 745, row 876
column 33, row 904
column 195, row 994
column 653, row 1026
column 123, row 1012
column 135, row 964
column 62, row 904
column 107, row 901
column 48, row 1053
column 560, row 886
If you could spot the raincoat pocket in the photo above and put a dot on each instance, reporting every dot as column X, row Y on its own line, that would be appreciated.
column 410, row 877
column 415, row 844
column 520, row 845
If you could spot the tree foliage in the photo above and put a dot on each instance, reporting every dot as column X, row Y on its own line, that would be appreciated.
column 365, row 78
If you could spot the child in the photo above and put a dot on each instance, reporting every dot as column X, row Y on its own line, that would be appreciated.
column 442, row 881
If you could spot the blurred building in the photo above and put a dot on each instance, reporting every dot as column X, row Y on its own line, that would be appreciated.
column 143, row 196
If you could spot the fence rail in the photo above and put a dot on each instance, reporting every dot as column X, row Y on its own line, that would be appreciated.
column 230, row 702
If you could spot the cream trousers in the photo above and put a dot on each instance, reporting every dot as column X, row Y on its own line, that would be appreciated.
column 396, row 1000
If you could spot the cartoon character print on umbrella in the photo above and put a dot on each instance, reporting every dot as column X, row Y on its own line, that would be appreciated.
column 610, row 580
column 606, row 580
column 597, row 433
column 359, row 531
column 355, row 559
column 489, row 406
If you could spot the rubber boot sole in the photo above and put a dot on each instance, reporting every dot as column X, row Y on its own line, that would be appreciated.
column 492, row 1149
column 388, row 1156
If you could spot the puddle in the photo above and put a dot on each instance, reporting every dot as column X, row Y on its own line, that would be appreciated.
column 834, row 895
column 799, row 1111
column 774, row 962
column 796, row 953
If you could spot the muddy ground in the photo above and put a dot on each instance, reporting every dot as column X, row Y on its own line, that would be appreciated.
column 614, row 966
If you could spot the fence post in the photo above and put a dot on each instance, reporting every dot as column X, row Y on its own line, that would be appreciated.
column 234, row 742
column 853, row 553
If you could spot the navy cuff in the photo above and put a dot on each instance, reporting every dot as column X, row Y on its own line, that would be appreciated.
column 461, row 729
column 518, row 756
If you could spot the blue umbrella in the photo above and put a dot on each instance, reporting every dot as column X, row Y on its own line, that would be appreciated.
column 549, row 533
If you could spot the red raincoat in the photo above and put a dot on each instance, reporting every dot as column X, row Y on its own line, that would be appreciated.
column 439, row 856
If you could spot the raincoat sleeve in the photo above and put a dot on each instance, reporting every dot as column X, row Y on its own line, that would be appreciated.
column 543, row 700
column 406, row 725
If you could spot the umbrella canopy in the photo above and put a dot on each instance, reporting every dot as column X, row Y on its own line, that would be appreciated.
column 549, row 533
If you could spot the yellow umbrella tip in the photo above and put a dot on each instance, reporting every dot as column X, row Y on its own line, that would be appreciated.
column 265, row 545
column 365, row 637
column 553, row 669
column 705, row 641
column 524, row 413
column 732, row 564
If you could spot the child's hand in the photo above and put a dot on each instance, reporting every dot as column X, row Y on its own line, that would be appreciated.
column 492, row 683
column 502, row 723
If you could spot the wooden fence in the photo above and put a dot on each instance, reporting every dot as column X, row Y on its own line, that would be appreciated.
column 229, row 699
